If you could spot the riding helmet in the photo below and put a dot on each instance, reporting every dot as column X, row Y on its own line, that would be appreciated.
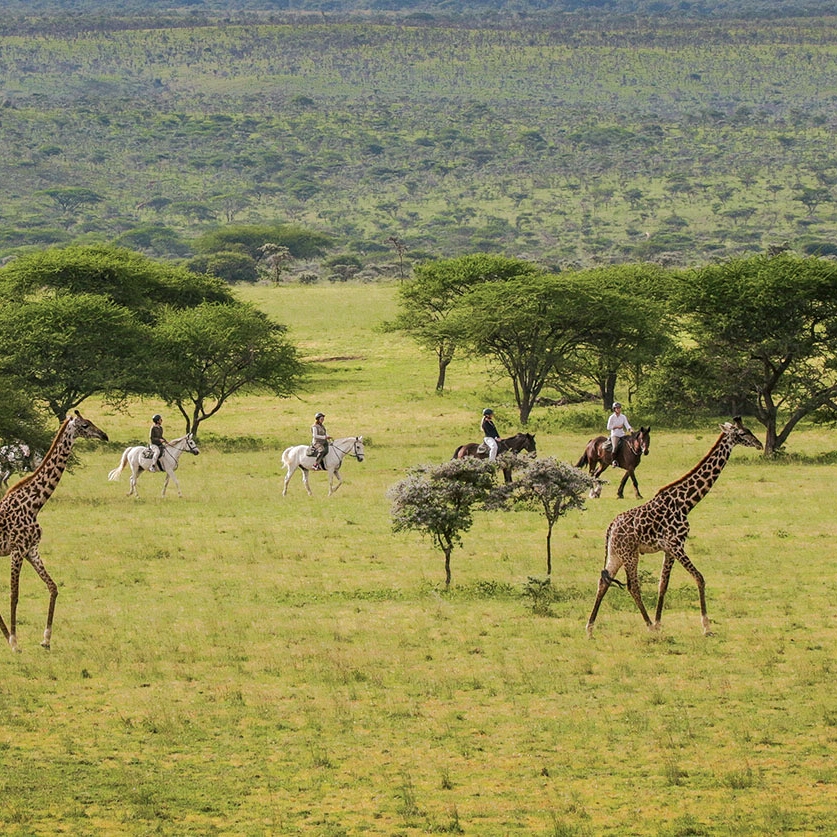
column 319, row 415
column 488, row 411
column 615, row 405
column 156, row 417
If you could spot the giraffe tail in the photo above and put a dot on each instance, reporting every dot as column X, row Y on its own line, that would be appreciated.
column 114, row 474
column 608, row 579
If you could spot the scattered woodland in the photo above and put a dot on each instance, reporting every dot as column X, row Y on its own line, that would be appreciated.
column 576, row 142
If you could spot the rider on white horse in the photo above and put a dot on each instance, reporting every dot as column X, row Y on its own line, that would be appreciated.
column 156, row 439
column 319, row 439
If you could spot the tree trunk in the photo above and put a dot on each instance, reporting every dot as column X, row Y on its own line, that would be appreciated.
column 549, row 550
column 443, row 368
column 447, row 566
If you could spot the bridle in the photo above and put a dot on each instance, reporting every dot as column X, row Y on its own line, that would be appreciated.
column 353, row 448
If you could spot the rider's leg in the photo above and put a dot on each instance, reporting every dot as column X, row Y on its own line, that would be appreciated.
column 492, row 448
column 615, row 441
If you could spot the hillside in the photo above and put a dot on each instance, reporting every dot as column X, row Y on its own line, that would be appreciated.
column 594, row 141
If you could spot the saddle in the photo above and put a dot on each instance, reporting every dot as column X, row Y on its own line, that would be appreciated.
column 148, row 453
column 312, row 451
column 482, row 448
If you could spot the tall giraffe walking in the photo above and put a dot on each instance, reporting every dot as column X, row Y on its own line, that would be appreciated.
column 20, row 532
column 661, row 525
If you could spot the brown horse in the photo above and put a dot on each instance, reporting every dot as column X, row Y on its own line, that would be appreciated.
column 515, row 444
column 597, row 458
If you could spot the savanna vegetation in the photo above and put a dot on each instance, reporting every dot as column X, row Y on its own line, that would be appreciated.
column 236, row 662
column 580, row 140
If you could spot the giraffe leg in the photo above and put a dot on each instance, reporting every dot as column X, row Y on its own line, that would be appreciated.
column 604, row 585
column 665, row 574
column 612, row 565
column 34, row 559
column 14, row 587
column 635, row 590
column 701, row 586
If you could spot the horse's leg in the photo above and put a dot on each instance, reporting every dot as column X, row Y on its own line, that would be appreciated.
column 135, row 472
column 620, row 492
column 291, row 469
column 176, row 483
column 331, row 477
column 305, row 481
column 636, row 485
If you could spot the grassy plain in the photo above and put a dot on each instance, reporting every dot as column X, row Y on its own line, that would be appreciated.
column 238, row 663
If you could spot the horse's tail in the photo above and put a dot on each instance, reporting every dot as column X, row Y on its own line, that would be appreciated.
column 584, row 461
column 456, row 452
column 114, row 474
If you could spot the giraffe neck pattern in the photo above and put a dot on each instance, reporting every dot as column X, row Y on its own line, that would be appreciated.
column 691, row 488
column 36, row 489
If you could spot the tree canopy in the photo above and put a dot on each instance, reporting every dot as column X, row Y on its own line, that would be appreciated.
column 207, row 354
column 765, row 328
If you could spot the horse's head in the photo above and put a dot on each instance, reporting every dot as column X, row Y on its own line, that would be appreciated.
column 644, row 439
column 191, row 445
column 357, row 448
column 529, row 443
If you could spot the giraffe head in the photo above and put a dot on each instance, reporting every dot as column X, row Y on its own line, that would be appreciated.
column 85, row 429
column 739, row 435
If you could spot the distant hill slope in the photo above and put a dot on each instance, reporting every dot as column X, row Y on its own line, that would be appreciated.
column 740, row 9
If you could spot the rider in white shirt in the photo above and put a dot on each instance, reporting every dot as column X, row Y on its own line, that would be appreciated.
column 619, row 426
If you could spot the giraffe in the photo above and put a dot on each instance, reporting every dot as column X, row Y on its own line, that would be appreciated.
column 661, row 525
column 20, row 532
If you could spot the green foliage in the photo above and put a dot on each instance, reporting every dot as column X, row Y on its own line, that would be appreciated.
column 766, row 328
column 129, row 279
column 204, row 117
column 302, row 243
column 438, row 501
column 229, row 265
column 553, row 488
column 64, row 349
column 208, row 354
column 428, row 301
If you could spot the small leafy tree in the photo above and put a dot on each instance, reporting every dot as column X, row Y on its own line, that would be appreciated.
column 210, row 353
column 545, row 485
column 438, row 501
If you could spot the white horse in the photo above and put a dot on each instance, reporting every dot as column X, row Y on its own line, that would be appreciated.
column 140, row 458
column 17, row 458
column 298, row 457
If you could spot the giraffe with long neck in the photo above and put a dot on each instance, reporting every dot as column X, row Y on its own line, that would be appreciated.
column 20, row 532
column 661, row 525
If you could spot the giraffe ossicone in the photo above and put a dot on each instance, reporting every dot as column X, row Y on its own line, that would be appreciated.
column 661, row 525
column 20, row 532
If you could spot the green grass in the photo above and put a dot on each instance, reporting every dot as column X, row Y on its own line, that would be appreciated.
column 239, row 663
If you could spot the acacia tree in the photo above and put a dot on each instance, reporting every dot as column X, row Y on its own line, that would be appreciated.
column 62, row 349
column 212, row 352
column 546, row 485
column 438, row 501
column 531, row 326
column 767, row 329
column 635, row 323
column 428, row 300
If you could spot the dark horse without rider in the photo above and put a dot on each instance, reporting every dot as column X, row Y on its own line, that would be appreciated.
column 598, row 456
column 516, row 444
